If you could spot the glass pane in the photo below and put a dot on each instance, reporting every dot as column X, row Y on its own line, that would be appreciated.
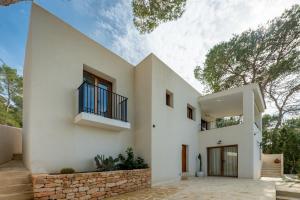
column 230, row 161
column 89, row 98
column 102, row 98
column 215, row 162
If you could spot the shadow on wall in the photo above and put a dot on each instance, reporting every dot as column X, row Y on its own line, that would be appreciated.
column 10, row 142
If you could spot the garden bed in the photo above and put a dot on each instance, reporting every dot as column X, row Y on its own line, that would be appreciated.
column 93, row 185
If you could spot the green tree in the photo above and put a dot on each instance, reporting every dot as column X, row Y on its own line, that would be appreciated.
column 148, row 14
column 9, row 2
column 285, row 139
column 269, row 56
column 11, row 96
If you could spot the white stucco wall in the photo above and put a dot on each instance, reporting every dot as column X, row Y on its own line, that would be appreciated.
column 10, row 142
column 143, row 106
column 172, row 127
column 232, row 135
column 53, row 71
column 257, row 159
column 245, row 135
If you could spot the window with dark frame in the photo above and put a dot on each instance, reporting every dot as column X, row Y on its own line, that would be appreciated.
column 190, row 112
column 98, row 93
column 169, row 98
column 204, row 125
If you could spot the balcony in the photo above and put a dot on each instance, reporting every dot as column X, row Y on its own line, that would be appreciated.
column 101, row 108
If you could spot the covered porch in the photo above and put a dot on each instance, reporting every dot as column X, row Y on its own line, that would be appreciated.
column 230, row 135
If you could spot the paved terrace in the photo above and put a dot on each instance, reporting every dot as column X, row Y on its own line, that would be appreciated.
column 207, row 188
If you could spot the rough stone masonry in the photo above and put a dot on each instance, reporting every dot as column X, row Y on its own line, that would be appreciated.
column 92, row 185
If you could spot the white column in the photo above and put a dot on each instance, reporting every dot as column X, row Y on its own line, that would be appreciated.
column 248, row 107
column 248, row 123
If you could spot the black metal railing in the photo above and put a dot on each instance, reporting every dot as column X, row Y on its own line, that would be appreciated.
column 99, row 101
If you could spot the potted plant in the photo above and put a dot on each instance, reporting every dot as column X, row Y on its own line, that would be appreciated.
column 200, row 173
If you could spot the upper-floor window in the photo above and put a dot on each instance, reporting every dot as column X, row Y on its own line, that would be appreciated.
column 98, row 94
column 169, row 98
column 204, row 125
column 190, row 112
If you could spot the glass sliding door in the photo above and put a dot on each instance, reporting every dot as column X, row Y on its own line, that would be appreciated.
column 230, row 161
column 214, row 162
column 223, row 161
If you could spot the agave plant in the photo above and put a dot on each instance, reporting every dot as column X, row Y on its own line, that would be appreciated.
column 106, row 164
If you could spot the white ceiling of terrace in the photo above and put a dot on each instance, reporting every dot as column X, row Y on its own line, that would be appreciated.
column 221, row 106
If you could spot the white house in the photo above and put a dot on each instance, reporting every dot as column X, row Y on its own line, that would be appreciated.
column 80, row 100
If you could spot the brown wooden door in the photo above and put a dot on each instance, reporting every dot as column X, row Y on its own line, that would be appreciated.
column 183, row 158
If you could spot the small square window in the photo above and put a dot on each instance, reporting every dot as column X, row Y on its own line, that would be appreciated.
column 190, row 112
column 169, row 98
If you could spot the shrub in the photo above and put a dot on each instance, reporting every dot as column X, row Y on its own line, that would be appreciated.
column 106, row 164
column 130, row 162
column 127, row 162
column 67, row 171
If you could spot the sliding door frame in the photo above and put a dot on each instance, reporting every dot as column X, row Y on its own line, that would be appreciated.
column 222, row 159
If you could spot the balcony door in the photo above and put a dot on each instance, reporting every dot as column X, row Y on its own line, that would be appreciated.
column 98, row 95
column 222, row 161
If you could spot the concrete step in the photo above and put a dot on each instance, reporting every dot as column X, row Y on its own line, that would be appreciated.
column 268, row 172
column 286, row 198
column 287, row 193
column 17, row 196
column 271, row 176
column 13, row 173
column 15, row 180
column 17, row 156
column 8, row 189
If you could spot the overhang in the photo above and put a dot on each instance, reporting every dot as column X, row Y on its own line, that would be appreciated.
column 89, row 119
column 229, row 102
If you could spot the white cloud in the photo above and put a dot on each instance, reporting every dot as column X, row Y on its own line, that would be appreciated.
column 183, row 44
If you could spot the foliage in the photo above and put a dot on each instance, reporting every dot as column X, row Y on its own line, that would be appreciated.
column 67, row 171
column 9, row 2
column 148, row 14
column 227, row 121
column 284, row 140
column 269, row 56
column 127, row 162
column 130, row 162
column 106, row 164
column 11, row 96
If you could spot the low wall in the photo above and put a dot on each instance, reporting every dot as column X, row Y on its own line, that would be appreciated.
column 10, row 142
column 94, row 185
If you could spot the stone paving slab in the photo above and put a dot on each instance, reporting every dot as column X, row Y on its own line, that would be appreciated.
column 207, row 188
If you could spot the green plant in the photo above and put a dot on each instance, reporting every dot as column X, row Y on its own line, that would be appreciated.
column 106, row 164
column 130, row 162
column 67, row 171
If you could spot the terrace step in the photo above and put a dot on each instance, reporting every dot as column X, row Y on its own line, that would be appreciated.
column 286, row 198
column 289, row 194
column 17, row 196
column 15, row 181
column 17, row 156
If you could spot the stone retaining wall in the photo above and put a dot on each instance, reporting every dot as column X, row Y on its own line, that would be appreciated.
column 94, row 185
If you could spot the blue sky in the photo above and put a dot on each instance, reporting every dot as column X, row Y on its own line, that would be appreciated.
column 181, row 44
